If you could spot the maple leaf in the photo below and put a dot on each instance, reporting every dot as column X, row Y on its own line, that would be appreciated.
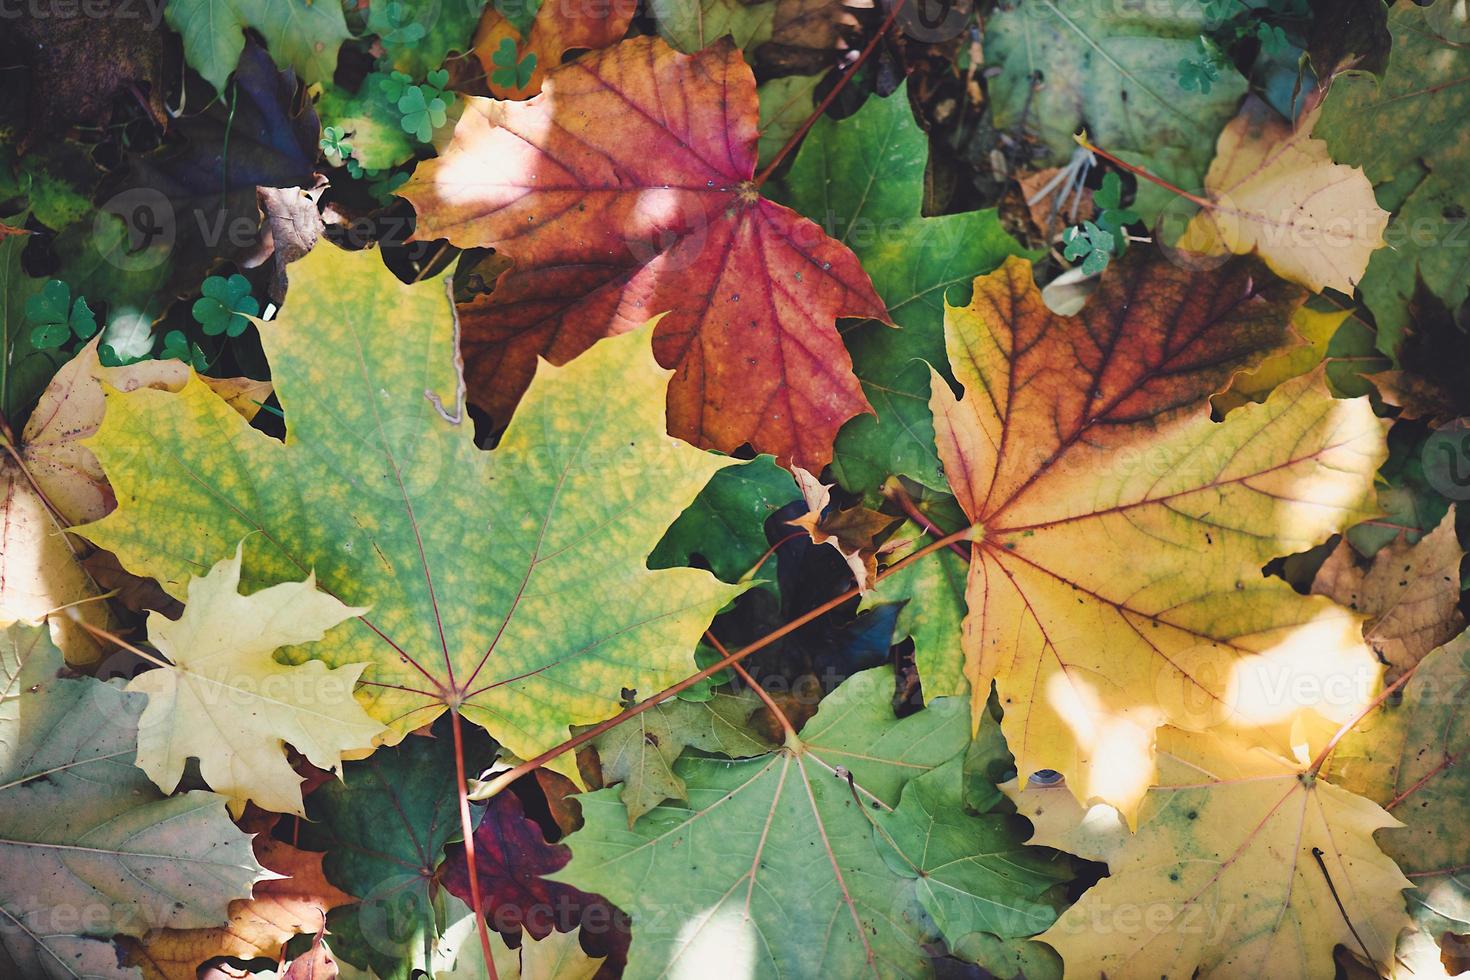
column 725, row 526
column 970, row 874
column 774, row 867
column 383, row 828
column 1317, row 329
column 294, row 903
column 851, row 532
column 1244, row 863
column 1113, row 70
column 52, row 482
column 1408, row 756
column 1410, row 592
column 224, row 682
column 468, row 560
column 556, row 29
column 88, row 848
column 616, row 204
column 780, row 36
column 863, row 177
column 304, row 36
column 1399, row 129
column 641, row 752
column 511, row 858
column 1275, row 191
column 1119, row 533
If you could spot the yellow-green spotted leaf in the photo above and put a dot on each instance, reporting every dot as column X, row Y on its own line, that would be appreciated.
column 511, row 583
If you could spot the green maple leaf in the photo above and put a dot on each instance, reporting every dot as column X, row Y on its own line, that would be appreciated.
column 84, row 833
column 862, row 179
column 1404, row 131
column 301, row 36
column 776, row 867
column 511, row 585
column 932, row 591
column 970, row 871
column 383, row 828
column 641, row 752
column 725, row 526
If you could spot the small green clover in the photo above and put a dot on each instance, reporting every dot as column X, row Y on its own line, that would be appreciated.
column 1091, row 244
column 394, row 85
column 402, row 29
column 512, row 73
column 220, row 309
column 422, row 108
column 179, row 348
column 337, row 149
column 55, row 319
column 1112, row 216
column 422, row 114
column 1202, row 71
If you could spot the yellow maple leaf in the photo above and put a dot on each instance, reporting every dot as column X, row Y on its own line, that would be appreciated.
column 228, row 703
column 1245, row 863
column 1115, row 581
column 1274, row 190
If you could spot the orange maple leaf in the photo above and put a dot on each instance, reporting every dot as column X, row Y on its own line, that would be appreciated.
column 626, row 189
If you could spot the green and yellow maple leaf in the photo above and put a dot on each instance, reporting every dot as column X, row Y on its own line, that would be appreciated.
column 1245, row 863
column 1118, row 533
column 226, row 702
column 509, row 586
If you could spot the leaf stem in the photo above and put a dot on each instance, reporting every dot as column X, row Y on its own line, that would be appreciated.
column 500, row 782
column 1348, row 726
column 790, row 144
column 467, row 826
column 754, row 685
column 102, row 634
column 896, row 493
column 751, row 572
column 1091, row 147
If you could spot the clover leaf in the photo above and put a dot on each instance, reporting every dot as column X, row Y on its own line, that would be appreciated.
column 224, row 305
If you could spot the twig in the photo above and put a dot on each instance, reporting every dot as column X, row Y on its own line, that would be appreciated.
column 469, row 847
column 790, row 144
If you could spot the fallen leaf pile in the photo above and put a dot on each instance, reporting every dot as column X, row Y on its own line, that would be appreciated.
column 773, row 489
